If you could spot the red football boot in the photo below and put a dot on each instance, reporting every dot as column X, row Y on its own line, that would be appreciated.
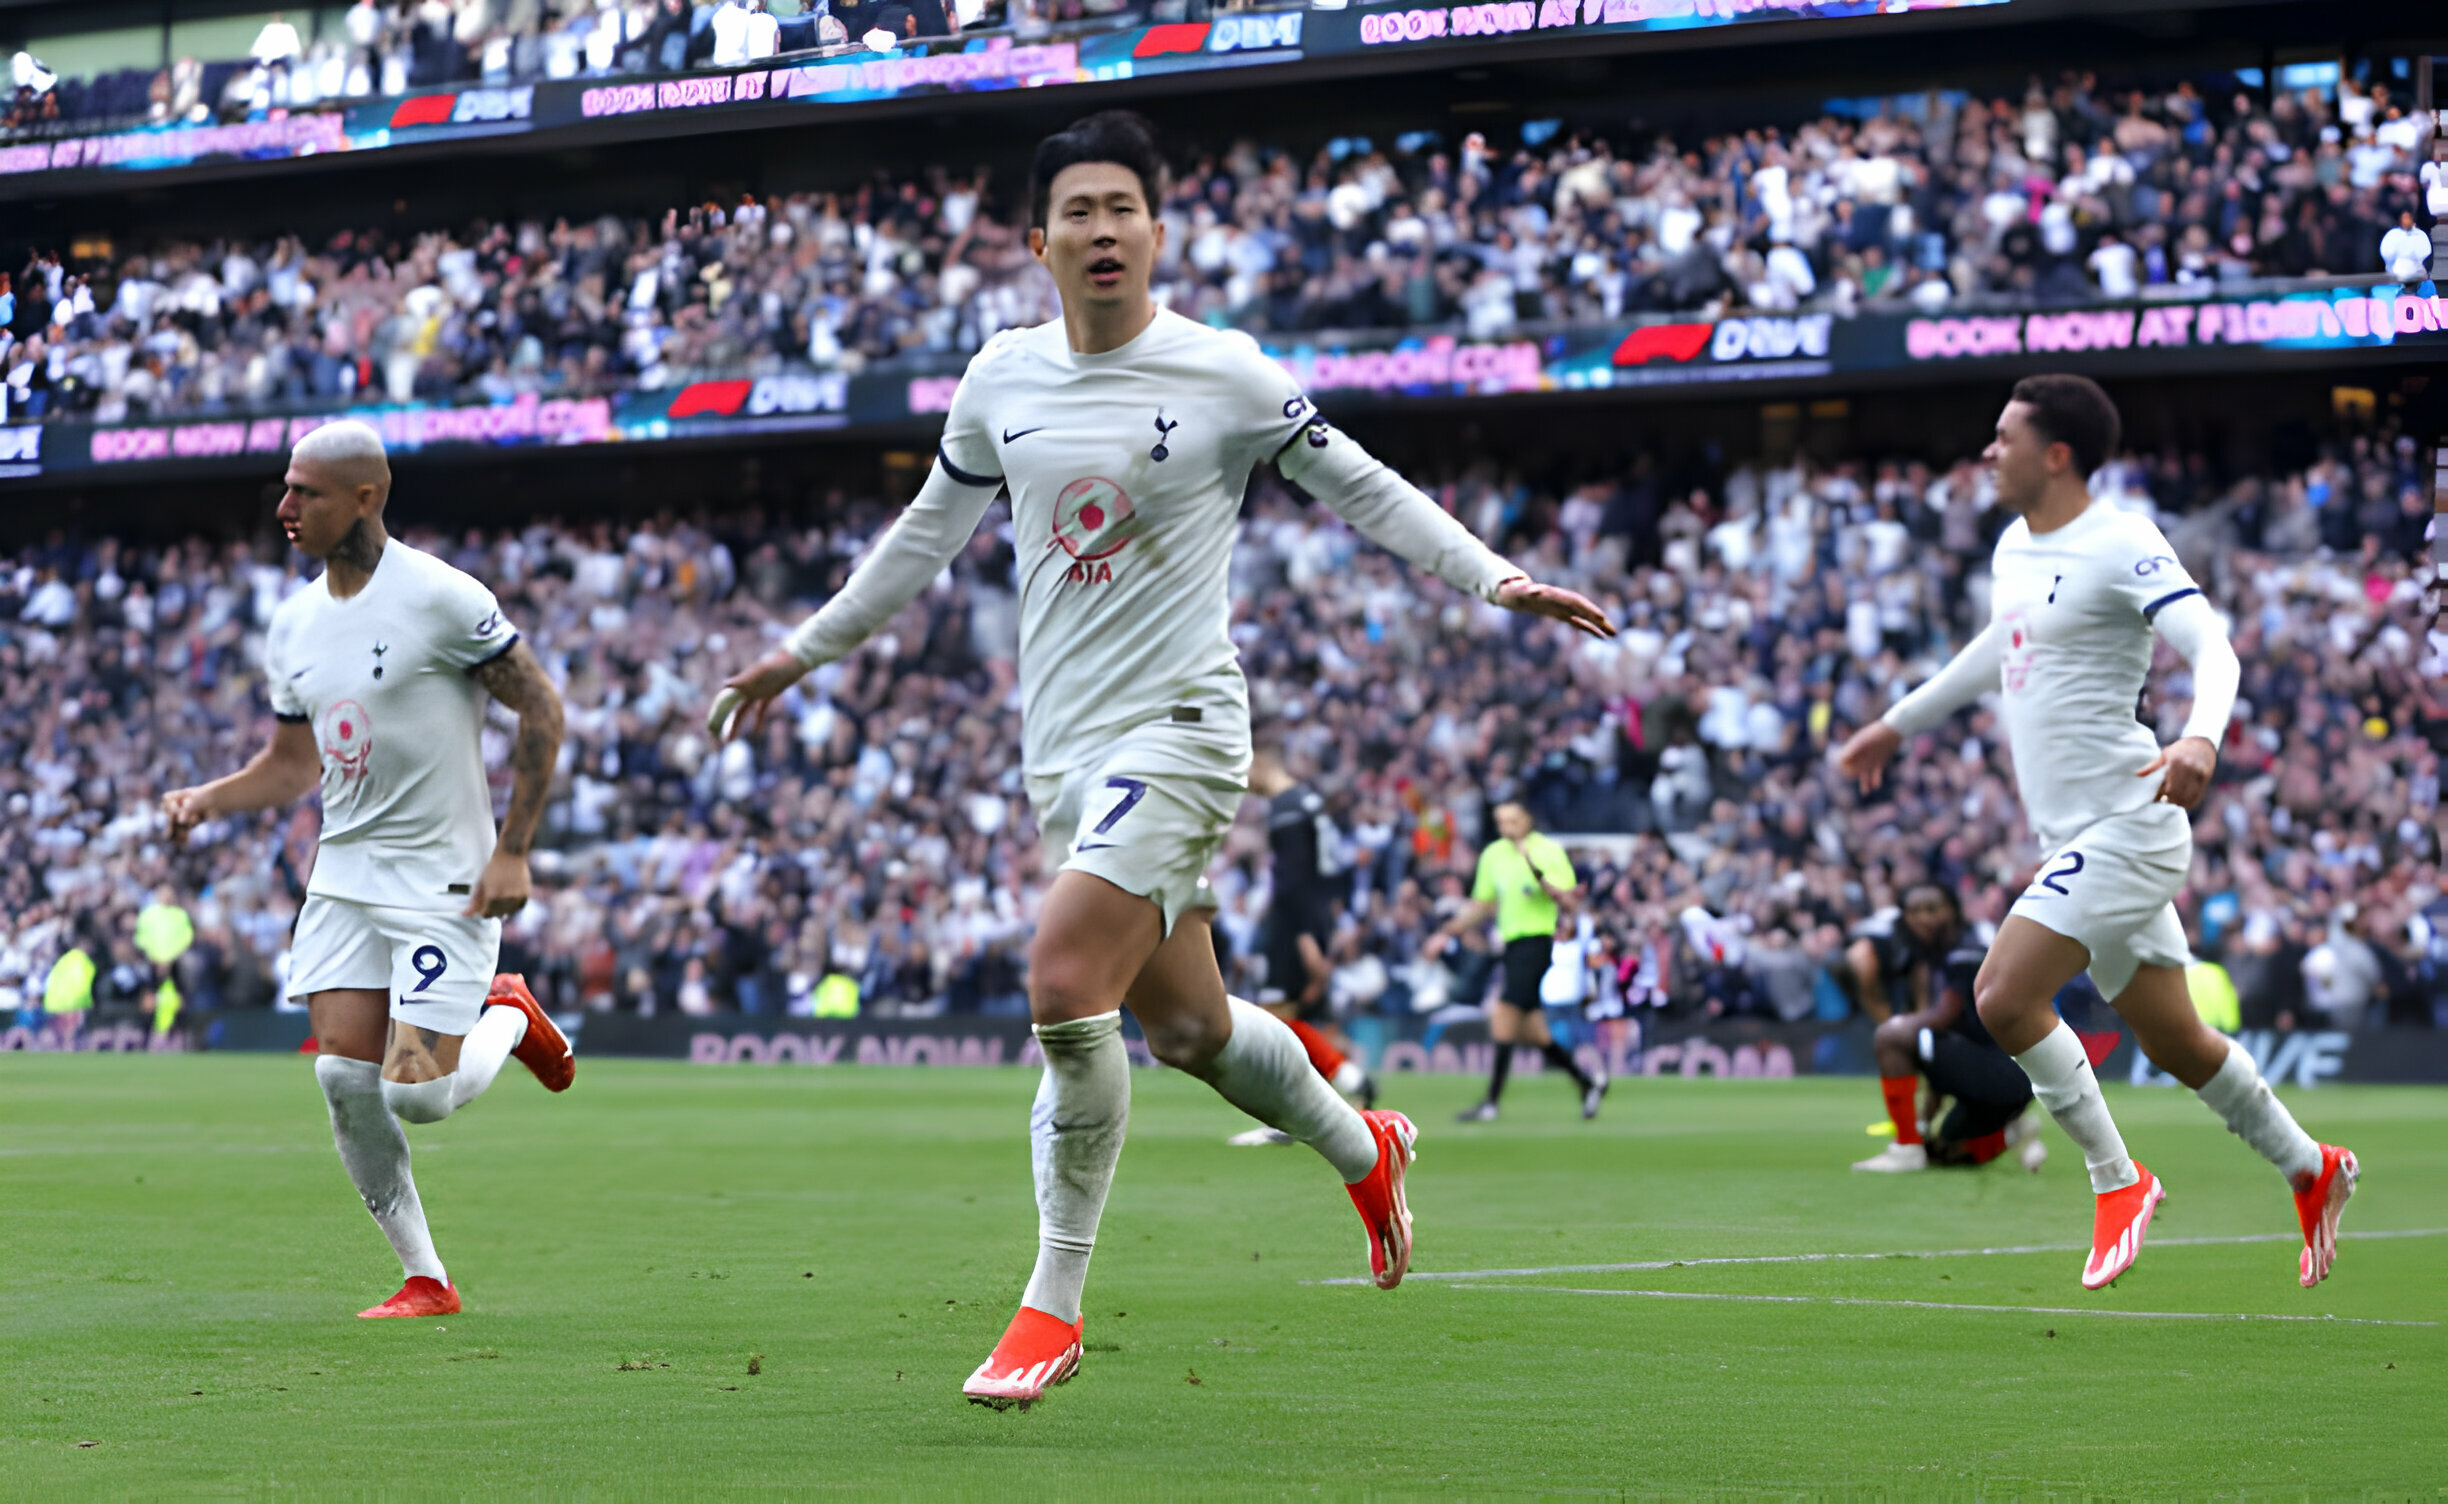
column 2118, row 1223
column 423, row 1295
column 1037, row 1352
column 545, row 1050
column 2319, row 1200
column 1380, row 1198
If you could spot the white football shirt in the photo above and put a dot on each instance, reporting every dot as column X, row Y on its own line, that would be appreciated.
column 2073, row 610
column 1126, row 472
column 386, row 680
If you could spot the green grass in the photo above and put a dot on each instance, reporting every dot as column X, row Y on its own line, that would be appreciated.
column 181, row 1256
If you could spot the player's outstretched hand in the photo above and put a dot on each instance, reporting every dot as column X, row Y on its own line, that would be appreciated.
column 1863, row 757
column 1554, row 602
column 756, row 685
column 2188, row 764
column 501, row 889
column 185, row 809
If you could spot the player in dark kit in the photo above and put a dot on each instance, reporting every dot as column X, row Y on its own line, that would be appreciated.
column 1300, row 924
column 1938, row 1037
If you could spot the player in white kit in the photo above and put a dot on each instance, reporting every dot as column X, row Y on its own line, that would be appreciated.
column 2078, row 588
column 377, row 674
column 1126, row 436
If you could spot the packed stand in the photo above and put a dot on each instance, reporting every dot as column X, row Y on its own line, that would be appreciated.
column 373, row 51
column 872, row 850
column 1935, row 201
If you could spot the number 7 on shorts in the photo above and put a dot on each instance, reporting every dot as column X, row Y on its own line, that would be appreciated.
column 1116, row 798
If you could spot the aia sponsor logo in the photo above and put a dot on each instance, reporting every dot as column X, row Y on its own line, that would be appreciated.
column 1090, row 519
column 348, row 739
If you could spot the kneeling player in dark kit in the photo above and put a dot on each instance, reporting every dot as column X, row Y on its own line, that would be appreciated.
column 1941, row 1040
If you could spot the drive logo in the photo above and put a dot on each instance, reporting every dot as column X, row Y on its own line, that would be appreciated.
column 762, row 398
column 1676, row 342
column 476, row 105
column 21, row 445
column 1772, row 338
column 1231, row 34
column 1250, row 33
column 468, row 107
column 799, row 394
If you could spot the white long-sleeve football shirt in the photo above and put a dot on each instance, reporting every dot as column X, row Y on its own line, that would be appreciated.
column 1126, row 472
column 2069, row 646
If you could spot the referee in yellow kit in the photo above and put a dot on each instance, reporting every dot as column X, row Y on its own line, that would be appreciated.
column 1526, row 881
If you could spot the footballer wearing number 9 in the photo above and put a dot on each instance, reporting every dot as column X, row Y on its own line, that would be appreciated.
column 378, row 673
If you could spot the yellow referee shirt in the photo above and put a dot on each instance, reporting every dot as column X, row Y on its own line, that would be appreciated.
column 1511, row 883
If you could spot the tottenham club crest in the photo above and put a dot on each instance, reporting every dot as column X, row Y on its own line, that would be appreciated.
column 348, row 739
column 1091, row 517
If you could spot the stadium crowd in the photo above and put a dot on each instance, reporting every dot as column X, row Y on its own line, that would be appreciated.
column 2078, row 190
column 872, row 850
column 370, row 50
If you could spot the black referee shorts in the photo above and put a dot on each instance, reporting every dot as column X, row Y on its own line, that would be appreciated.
column 1525, row 966
column 1989, row 1089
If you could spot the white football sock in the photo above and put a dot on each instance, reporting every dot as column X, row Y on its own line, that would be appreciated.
column 2061, row 1078
column 481, row 1055
column 1264, row 1071
column 1075, row 1137
column 2254, row 1114
column 375, row 1152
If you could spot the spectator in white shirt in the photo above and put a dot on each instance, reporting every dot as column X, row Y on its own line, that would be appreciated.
column 1790, row 274
column 276, row 44
column 2116, row 266
column 730, row 27
column 764, row 32
column 2406, row 251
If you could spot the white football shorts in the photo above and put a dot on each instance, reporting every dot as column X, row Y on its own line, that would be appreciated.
column 2112, row 890
column 1149, row 812
column 437, row 966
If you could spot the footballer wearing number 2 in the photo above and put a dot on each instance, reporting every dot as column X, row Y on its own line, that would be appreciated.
column 378, row 673
column 1125, row 435
column 2080, row 588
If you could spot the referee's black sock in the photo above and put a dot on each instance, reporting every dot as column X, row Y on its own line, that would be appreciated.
column 1562, row 1059
column 1502, row 1068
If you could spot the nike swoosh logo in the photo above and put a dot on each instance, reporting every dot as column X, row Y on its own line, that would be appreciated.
column 300, row 674
column 1097, row 846
column 1009, row 436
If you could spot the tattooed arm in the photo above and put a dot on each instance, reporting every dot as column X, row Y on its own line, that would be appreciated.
column 517, row 680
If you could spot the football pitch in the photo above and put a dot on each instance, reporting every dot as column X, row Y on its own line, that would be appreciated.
column 687, row 1281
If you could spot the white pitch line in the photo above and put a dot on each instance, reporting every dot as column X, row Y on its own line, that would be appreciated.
column 1956, row 1305
column 1909, row 1253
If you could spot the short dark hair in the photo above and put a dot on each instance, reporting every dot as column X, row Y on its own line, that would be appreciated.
column 2073, row 411
column 1122, row 137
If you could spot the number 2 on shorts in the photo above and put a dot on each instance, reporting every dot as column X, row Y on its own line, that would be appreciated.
column 2073, row 864
column 429, row 963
